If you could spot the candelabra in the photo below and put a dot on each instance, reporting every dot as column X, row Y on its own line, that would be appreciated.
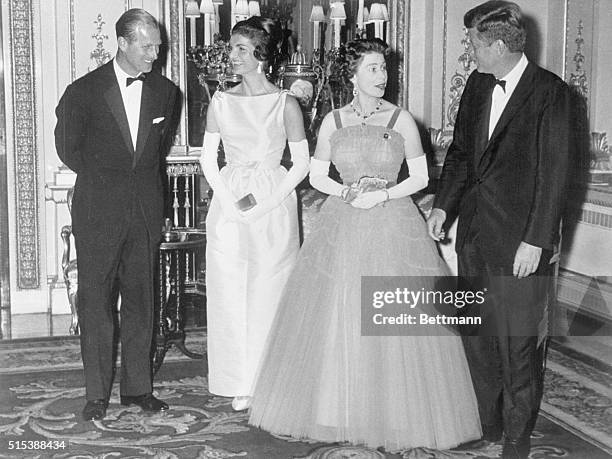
column 333, row 88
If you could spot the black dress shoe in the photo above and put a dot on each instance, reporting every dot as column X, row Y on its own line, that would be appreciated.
column 146, row 401
column 95, row 410
column 516, row 449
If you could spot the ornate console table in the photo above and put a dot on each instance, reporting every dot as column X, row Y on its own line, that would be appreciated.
column 181, row 266
column 179, row 246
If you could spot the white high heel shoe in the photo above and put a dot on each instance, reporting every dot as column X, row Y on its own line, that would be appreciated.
column 241, row 403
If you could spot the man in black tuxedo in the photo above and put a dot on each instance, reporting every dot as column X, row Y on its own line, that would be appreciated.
column 114, row 129
column 504, row 175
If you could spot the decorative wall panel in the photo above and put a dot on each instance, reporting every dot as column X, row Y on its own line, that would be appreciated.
column 25, row 144
column 579, row 45
column 92, row 33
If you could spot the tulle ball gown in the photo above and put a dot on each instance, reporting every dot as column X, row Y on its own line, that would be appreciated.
column 319, row 378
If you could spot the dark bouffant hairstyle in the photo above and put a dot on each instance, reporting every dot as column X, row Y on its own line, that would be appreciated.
column 498, row 20
column 130, row 20
column 264, row 33
column 356, row 49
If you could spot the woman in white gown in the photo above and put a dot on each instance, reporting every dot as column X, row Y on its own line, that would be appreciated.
column 250, row 251
column 320, row 377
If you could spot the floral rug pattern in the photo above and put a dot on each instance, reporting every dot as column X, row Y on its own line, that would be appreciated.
column 182, row 431
column 198, row 425
column 41, row 397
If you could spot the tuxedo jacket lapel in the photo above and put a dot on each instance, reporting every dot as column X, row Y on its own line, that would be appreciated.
column 483, row 115
column 147, row 103
column 115, row 102
column 521, row 93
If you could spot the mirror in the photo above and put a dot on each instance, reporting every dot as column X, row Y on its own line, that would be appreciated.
column 309, row 57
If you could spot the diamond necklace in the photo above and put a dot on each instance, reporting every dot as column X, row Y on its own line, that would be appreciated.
column 367, row 115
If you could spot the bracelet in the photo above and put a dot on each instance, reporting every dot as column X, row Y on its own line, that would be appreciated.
column 387, row 193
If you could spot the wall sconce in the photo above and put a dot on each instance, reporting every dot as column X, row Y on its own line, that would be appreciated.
column 192, row 11
column 241, row 11
column 317, row 17
column 208, row 10
column 337, row 15
column 216, row 4
column 254, row 8
column 377, row 16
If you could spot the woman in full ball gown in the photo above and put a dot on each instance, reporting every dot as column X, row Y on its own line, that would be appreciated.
column 252, row 225
column 320, row 378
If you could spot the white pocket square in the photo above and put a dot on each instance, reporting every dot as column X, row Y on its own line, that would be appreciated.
column 159, row 120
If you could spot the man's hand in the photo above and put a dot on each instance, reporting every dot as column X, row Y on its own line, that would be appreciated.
column 436, row 219
column 526, row 260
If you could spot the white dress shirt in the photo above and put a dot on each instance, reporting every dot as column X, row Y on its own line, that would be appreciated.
column 131, row 96
column 500, row 98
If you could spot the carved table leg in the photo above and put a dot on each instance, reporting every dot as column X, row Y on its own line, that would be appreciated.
column 161, row 339
column 178, row 335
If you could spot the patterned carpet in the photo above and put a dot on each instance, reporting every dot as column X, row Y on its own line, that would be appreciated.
column 41, row 396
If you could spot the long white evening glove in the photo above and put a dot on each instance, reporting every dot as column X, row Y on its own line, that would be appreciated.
column 210, row 168
column 419, row 178
column 319, row 178
column 300, row 158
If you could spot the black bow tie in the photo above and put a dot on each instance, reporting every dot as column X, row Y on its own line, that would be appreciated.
column 130, row 80
column 502, row 83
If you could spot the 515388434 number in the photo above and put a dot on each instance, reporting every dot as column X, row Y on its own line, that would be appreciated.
column 36, row 444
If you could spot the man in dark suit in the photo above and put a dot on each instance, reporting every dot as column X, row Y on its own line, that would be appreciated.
column 114, row 128
column 504, row 175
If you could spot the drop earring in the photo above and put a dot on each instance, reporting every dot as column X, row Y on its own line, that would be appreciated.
column 355, row 92
column 260, row 67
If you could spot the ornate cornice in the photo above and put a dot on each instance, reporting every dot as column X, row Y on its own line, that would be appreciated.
column 24, row 126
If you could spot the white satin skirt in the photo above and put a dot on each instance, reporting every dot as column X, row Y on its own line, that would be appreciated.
column 247, row 266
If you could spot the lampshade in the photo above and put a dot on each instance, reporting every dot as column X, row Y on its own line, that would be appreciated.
column 207, row 7
column 317, row 14
column 191, row 9
column 241, row 8
column 376, row 12
column 254, row 8
column 385, row 11
column 337, row 11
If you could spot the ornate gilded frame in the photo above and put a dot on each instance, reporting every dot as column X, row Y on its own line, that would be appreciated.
column 25, row 143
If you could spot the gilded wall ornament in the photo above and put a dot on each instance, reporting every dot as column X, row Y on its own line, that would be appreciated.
column 459, row 79
column 99, row 56
column 578, row 78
